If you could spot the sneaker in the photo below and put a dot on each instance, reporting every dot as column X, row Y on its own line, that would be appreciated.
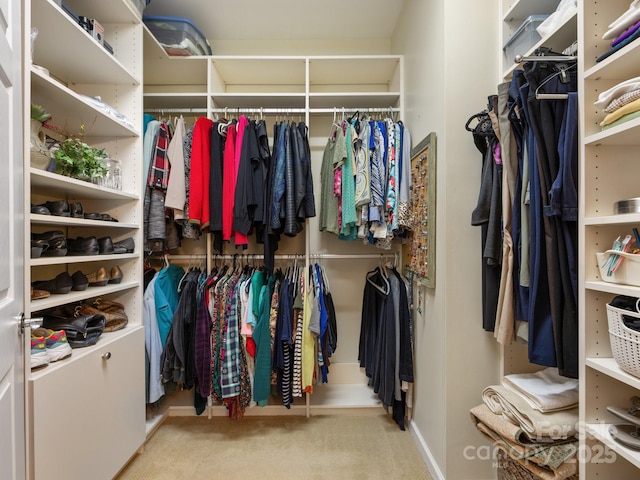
column 39, row 356
column 57, row 346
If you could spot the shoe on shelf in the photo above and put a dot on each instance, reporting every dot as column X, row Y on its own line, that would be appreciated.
column 80, row 281
column 46, row 237
column 56, row 344
column 56, row 248
column 127, row 244
column 48, row 244
column 61, row 284
column 116, row 275
column 58, row 207
column 39, row 294
column 40, row 210
column 105, row 245
column 76, row 210
column 98, row 278
column 39, row 356
column 82, row 246
column 36, row 250
column 93, row 216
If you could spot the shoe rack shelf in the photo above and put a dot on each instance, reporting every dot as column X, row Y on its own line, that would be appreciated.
column 609, row 173
column 67, row 69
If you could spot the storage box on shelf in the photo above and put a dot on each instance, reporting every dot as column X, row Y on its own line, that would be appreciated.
column 178, row 36
column 516, row 14
column 525, row 37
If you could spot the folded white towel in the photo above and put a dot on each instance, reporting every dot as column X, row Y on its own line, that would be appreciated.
column 546, row 390
column 539, row 427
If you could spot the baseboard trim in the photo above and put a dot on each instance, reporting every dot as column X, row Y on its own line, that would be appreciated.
column 425, row 452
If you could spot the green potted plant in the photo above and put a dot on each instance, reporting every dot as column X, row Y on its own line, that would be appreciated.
column 74, row 158
column 40, row 157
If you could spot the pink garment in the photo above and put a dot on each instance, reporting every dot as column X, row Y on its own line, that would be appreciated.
column 241, row 238
column 228, row 182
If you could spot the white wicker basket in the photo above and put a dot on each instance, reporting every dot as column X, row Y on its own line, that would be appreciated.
column 625, row 342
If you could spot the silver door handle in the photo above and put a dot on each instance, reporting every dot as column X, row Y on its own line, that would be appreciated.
column 24, row 322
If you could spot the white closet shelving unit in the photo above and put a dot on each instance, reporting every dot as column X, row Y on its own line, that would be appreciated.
column 87, row 408
column 304, row 88
column 609, row 172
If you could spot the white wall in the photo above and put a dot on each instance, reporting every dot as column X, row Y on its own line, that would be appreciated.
column 451, row 58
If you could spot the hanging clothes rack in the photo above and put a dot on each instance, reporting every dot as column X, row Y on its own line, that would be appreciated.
column 546, row 58
column 274, row 111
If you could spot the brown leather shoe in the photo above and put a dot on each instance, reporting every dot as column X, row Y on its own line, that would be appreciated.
column 38, row 294
column 99, row 278
column 116, row 275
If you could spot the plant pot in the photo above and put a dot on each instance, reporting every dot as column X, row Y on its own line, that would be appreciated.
column 39, row 153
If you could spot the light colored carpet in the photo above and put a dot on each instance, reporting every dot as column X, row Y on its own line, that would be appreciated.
column 321, row 447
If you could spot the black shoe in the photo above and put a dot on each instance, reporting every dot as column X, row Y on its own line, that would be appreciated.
column 76, row 210
column 46, row 237
column 59, row 208
column 80, row 281
column 61, row 284
column 55, row 248
column 127, row 244
column 93, row 216
column 106, row 245
column 40, row 210
column 83, row 246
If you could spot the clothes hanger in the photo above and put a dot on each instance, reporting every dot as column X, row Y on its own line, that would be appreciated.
column 562, row 72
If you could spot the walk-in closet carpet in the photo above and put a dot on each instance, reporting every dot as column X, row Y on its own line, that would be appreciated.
column 321, row 447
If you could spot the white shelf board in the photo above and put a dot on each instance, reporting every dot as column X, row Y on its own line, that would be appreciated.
column 626, row 133
column 257, row 100
column 354, row 99
column 621, row 65
column 64, row 260
column 66, row 49
column 601, row 433
column 59, row 185
column 77, row 353
column 90, row 292
column 63, row 103
column 521, row 9
column 265, row 70
column 614, row 288
column 353, row 70
column 622, row 219
column 113, row 11
column 175, row 100
column 610, row 367
column 77, row 222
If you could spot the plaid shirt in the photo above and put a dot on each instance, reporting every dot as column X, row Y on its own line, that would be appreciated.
column 160, row 166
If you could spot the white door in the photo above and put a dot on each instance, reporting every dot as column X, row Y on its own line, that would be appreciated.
column 12, row 374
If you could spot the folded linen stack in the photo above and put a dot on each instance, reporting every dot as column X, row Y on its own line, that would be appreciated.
column 533, row 418
column 623, row 30
column 621, row 102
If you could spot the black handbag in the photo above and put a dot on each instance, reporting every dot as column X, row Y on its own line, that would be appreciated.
column 82, row 331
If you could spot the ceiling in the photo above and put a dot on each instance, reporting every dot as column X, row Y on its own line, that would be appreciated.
column 284, row 19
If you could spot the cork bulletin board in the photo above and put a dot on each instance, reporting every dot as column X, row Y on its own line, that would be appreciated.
column 420, row 252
